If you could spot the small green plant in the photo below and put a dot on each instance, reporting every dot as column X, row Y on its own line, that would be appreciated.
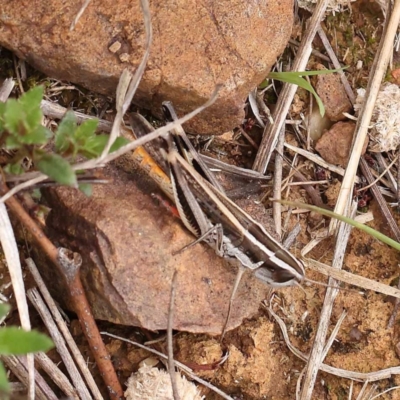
column 22, row 133
column 374, row 233
column 296, row 78
column 16, row 341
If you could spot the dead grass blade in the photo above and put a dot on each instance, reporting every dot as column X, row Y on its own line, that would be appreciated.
column 378, row 71
column 317, row 352
column 271, row 133
column 10, row 249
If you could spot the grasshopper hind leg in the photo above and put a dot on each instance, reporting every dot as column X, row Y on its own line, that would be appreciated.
column 240, row 272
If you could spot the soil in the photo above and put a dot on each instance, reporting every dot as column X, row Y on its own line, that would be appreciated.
column 259, row 364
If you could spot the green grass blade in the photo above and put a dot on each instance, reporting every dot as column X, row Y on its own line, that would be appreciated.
column 374, row 233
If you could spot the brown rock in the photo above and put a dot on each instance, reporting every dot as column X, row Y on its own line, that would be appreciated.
column 331, row 91
column 196, row 45
column 335, row 144
column 127, row 243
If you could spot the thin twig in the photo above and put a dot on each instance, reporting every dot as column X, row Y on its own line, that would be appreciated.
column 336, row 64
column 277, row 189
column 170, row 349
column 10, row 250
column 377, row 73
column 270, row 135
column 317, row 353
column 80, row 361
column 58, row 340
column 79, row 14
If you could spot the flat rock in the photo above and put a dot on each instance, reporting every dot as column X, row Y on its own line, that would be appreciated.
column 331, row 91
column 127, row 242
column 335, row 144
column 196, row 45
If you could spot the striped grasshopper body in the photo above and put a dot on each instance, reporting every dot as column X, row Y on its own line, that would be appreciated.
column 212, row 217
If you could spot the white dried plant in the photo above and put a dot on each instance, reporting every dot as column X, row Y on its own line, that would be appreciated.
column 151, row 383
column 384, row 132
column 334, row 6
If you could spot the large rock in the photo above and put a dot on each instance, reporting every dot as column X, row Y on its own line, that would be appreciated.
column 127, row 242
column 196, row 45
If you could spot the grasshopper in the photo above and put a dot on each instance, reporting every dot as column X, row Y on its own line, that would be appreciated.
column 212, row 217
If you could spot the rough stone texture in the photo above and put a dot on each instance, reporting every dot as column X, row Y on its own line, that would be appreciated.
column 335, row 144
column 331, row 91
column 126, row 240
column 196, row 45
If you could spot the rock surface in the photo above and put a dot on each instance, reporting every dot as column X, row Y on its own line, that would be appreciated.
column 127, row 242
column 335, row 144
column 196, row 45
column 331, row 91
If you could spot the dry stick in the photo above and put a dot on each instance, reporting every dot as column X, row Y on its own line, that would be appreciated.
column 59, row 342
column 6, row 89
column 358, row 376
column 277, row 189
column 271, row 133
column 391, row 181
column 183, row 367
column 336, row 64
column 17, row 366
column 318, row 160
column 315, row 359
column 377, row 73
column 170, row 350
column 315, row 53
column 56, row 375
column 78, row 299
column 62, row 326
column 70, row 263
column 10, row 250
column 352, row 279
column 79, row 14
column 378, row 179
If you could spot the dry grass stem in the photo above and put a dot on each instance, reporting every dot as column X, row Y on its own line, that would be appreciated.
column 271, row 133
column 79, row 14
column 181, row 366
column 10, row 250
column 357, row 376
column 6, row 89
column 317, row 351
column 59, row 342
column 383, row 164
column 62, row 326
column 170, row 344
column 56, row 375
column 336, row 64
column 318, row 160
column 277, row 188
column 352, row 279
column 17, row 366
column 377, row 73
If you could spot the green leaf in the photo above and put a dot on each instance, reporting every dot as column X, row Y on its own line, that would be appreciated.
column 4, row 309
column 374, row 233
column 295, row 79
column 86, row 188
column 65, row 132
column 14, row 168
column 38, row 135
column 2, row 110
column 4, row 385
column 86, row 129
column 12, row 116
column 14, row 340
column 31, row 100
column 95, row 146
column 56, row 168
column 12, row 143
